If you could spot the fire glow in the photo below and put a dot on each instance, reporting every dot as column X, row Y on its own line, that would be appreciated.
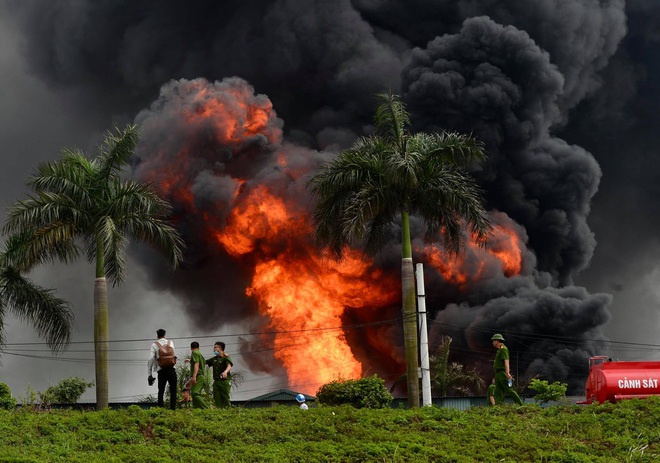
column 303, row 294
column 503, row 251
column 266, row 229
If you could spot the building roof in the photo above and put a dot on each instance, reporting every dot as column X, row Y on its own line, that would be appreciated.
column 280, row 395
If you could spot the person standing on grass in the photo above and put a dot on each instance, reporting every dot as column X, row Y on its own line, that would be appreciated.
column 503, row 378
column 491, row 392
column 196, row 376
column 221, row 364
column 166, row 375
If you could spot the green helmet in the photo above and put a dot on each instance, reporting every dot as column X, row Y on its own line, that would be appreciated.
column 497, row 336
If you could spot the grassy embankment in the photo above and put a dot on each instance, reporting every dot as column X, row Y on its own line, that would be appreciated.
column 628, row 431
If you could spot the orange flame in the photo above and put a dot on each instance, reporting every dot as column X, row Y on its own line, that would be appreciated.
column 226, row 128
column 308, row 302
column 504, row 250
column 256, row 218
column 303, row 295
column 506, row 246
column 234, row 118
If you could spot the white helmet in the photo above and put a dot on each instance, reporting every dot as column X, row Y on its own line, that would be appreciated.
column 300, row 398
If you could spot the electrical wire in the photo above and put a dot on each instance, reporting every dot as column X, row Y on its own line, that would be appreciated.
column 261, row 342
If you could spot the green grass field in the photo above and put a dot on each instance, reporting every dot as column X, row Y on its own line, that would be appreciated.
column 628, row 431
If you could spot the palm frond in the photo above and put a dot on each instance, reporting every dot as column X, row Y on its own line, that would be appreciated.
column 27, row 250
column 448, row 148
column 117, row 150
column 112, row 244
column 350, row 193
column 391, row 118
column 453, row 377
column 361, row 191
column 49, row 315
column 447, row 202
column 136, row 198
column 464, row 381
column 439, row 363
column 69, row 175
column 158, row 234
column 44, row 211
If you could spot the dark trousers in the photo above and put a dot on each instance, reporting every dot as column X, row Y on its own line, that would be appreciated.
column 167, row 376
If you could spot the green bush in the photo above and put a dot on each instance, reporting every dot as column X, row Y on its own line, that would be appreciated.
column 547, row 392
column 360, row 393
column 67, row 391
column 6, row 400
column 622, row 432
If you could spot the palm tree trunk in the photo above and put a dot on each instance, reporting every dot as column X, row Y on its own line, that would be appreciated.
column 101, row 342
column 409, row 313
column 101, row 334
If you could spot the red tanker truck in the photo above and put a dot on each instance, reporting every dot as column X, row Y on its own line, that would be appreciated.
column 613, row 381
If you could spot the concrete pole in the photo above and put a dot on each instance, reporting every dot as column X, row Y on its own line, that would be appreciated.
column 423, row 337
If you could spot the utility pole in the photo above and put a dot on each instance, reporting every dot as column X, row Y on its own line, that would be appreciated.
column 423, row 337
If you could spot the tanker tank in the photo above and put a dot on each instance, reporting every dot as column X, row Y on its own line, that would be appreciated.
column 620, row 380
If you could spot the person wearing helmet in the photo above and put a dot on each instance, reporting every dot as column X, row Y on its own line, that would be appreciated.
column 300, row 398
column 503, row 378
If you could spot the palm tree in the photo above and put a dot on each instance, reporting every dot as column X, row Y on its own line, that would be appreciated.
column 84, row 202
column 390, row 176
column 452, row 377
column 49, row 315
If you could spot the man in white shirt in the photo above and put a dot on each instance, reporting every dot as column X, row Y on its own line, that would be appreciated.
column 166, row 375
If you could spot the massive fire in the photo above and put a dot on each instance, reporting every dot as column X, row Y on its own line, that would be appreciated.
column 303, row 294
column 305, row 302
column 208, row 172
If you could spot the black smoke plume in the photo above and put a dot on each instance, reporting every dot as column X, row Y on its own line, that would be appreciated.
column 528, row 78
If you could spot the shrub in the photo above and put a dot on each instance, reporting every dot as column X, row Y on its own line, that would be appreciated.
column 67, row 391
column 360, row 393
column 29, row 401
column 547, row 392
column 6, row 400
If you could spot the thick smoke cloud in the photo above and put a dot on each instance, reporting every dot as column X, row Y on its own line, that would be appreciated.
column 580, row 36
column 513, row 73
column 319, row 62
column 495, row 81
column 620, row 125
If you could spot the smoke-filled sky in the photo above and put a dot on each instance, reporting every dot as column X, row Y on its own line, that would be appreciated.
column 561, row 92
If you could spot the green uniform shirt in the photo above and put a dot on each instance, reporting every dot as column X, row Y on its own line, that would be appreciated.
column 500, row 357
column 196, row 357
column 491, row 390
column 219, row 364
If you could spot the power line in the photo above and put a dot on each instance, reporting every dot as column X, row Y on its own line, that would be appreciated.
column 300, row 337
column 565, row 339
column 223, row 336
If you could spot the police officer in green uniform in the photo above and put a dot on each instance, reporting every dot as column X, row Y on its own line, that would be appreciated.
column 502, row 372
column 197, row 371
column 221, row 364
column 491, row 392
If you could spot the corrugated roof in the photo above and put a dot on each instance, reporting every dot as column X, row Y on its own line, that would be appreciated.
column 280, row 395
